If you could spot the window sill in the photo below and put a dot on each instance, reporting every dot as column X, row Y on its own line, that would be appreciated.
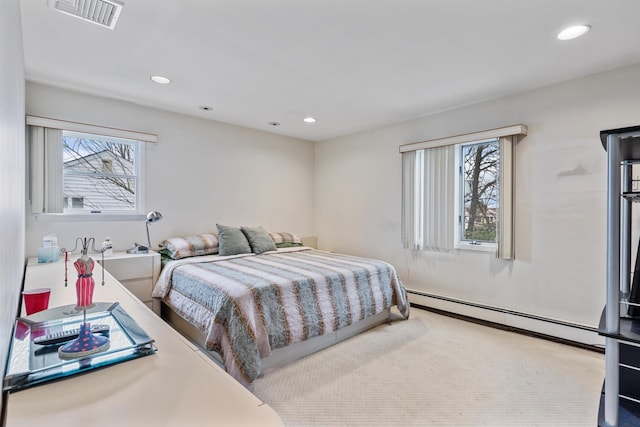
column 480, row 247
column 91, row 217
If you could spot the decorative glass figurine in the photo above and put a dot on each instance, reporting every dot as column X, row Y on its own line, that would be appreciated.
column 85, row 283
column 87, row 343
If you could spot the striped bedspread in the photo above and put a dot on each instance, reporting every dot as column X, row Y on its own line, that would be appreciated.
column 249, row 304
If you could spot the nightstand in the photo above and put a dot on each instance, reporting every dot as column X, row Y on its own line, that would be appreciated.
column 137, row 272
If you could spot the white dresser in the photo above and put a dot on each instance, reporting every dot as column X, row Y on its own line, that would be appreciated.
column 176, row 386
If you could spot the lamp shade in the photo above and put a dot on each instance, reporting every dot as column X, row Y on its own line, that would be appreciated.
column 154, row 216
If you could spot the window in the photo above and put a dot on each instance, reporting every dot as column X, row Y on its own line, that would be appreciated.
column 79, row 169
column 457, row 192
column 478, row 185
column 99, row 173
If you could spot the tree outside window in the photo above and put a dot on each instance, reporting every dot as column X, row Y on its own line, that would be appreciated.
column 479, row 190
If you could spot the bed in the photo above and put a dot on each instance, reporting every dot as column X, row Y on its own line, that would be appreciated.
column 245, row 306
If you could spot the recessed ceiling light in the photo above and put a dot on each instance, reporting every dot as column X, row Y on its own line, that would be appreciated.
column 310, row 120
column 274, row 123
column 160, row 80
column 205, row 108
column 574, row 32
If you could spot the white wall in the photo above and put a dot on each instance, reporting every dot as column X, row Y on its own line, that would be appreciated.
column 200, row 173
column 559, row 271
column 12, row 171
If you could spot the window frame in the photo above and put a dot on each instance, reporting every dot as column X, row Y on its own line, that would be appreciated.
column 459, row 242
column 138, row 176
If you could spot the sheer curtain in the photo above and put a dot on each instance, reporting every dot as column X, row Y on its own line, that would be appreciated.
column 428, row 208
column 45, row 152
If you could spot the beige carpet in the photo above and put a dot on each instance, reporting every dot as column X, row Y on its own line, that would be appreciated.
column 433, row 370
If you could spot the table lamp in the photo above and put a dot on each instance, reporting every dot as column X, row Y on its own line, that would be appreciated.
column 154, row 216
column 137, row 248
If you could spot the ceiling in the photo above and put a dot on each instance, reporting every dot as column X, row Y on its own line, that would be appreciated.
column 353, row 64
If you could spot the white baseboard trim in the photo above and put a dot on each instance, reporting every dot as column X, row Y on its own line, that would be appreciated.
column 583, row 334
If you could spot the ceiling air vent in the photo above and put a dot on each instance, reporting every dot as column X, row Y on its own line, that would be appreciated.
column 101, row 12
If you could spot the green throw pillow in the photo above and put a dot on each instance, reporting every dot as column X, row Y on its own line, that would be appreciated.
column 259, row 239
column 231, row 241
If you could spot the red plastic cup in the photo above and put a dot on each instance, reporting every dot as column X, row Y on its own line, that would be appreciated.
column 36, row 300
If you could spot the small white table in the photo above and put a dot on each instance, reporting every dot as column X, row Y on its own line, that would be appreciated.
column 176, row 386
column 136, row 272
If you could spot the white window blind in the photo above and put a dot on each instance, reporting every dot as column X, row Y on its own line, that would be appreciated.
column 428, row 195
column 506, row 246
column 46, row 170
column 411, row 202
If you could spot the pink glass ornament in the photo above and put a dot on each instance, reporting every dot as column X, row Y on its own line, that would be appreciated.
column 85, row 283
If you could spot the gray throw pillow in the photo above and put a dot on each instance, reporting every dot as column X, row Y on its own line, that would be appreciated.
column 259, row 239
column 231, row 241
